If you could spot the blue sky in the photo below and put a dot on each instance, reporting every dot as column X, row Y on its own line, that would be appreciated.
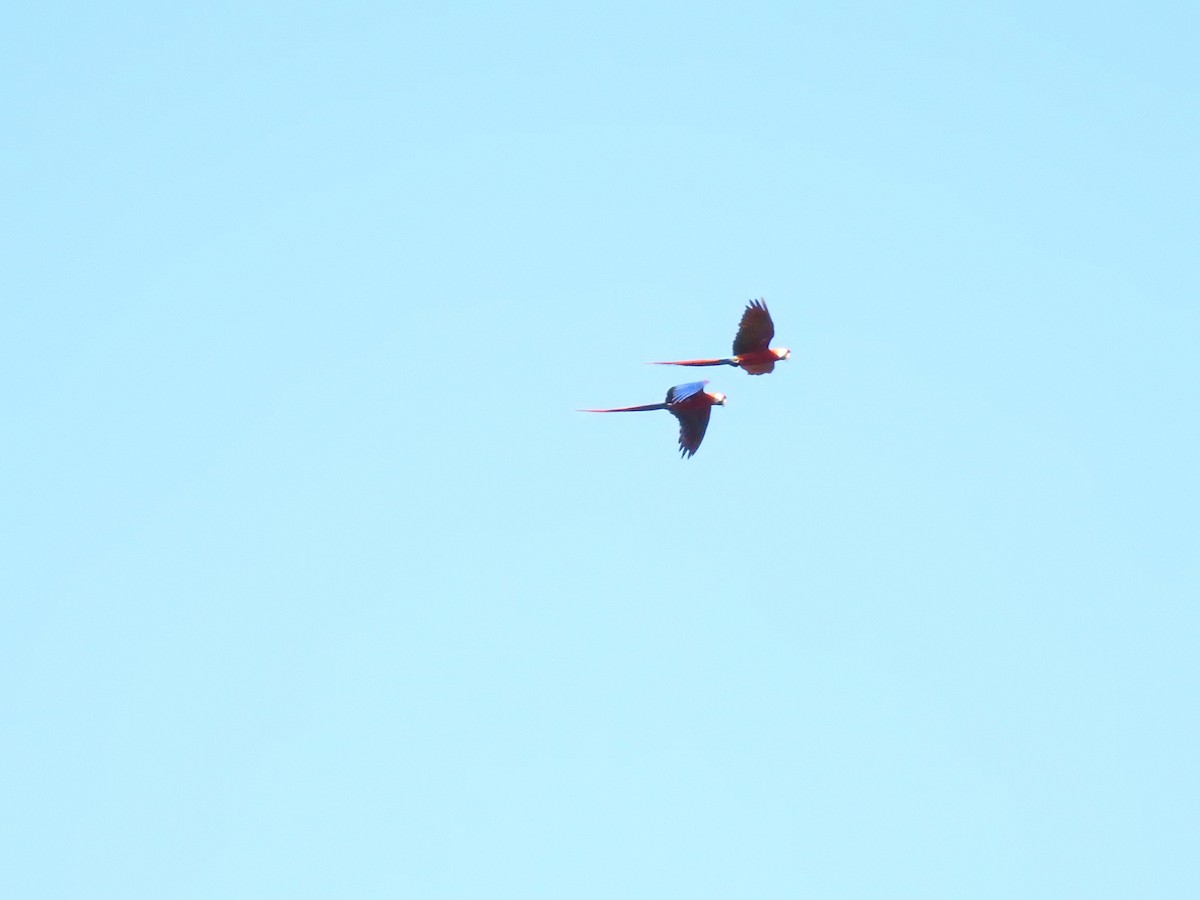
column 316, row 585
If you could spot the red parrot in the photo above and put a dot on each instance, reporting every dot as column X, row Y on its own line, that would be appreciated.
column 751, row 350
column 690, row 404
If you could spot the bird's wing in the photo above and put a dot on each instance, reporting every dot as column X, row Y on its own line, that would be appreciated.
column 756, row 329
column 692, row 424
column 683, row 391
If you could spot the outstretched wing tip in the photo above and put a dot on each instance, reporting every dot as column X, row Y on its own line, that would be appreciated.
column 692, row 425
column 755, row 329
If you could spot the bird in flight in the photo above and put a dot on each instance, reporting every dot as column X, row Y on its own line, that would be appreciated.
column 751, row 345
column 690, row 404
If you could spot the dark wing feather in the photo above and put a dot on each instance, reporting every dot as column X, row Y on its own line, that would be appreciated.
column 755, row 331
column 692, row 424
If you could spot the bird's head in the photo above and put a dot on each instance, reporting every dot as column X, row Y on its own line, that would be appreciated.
column 781, row 352
column 718, row 399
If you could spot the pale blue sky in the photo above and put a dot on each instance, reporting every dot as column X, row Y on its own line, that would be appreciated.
column 316, row 585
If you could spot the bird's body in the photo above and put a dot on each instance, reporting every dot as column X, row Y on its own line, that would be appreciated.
column 751, row 346
column 690, row 404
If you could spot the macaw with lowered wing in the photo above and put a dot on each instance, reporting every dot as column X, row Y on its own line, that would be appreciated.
column 690, row 404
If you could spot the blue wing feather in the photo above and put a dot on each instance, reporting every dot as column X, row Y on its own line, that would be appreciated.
column 683, row 391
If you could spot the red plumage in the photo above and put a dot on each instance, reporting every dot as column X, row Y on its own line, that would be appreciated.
column 751, row 345
column 690, row 404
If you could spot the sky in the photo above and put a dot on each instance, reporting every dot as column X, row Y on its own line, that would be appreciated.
column 315, row 584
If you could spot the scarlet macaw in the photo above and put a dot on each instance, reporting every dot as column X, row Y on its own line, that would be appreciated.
column 751, row 350
column 690, row 404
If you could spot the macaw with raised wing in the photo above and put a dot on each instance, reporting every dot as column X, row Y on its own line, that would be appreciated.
column 690, row 404
column 751, row 345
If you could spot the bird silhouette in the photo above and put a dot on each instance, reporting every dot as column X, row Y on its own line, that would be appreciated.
column 690, row 404
column 751, row 346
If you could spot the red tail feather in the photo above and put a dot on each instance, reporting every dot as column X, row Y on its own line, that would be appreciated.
column 646, row 408
column 694, row 362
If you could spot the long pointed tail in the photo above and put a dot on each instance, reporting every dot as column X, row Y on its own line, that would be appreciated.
column 645, row 408
column 695, row 362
